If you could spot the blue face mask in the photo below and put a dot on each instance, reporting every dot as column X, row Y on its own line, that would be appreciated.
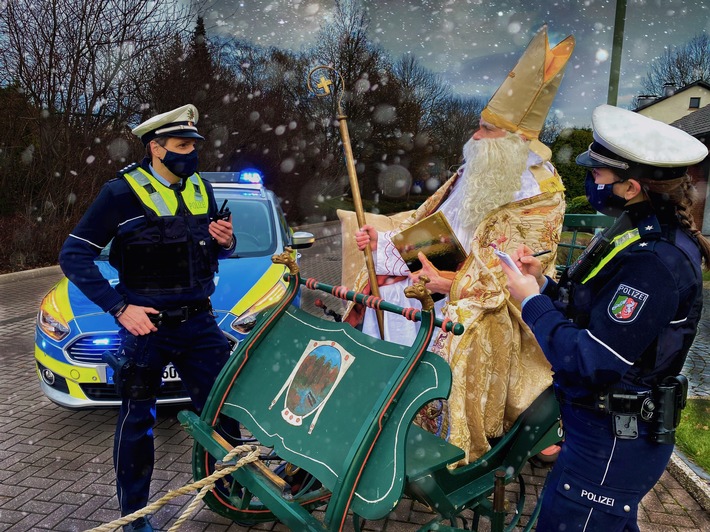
column 602, row 197
column 181, row 164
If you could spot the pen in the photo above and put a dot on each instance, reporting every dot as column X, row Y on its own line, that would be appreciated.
column 544, row 252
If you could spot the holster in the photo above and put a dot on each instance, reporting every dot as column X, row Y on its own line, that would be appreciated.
column 672, row 395
column 132, row 381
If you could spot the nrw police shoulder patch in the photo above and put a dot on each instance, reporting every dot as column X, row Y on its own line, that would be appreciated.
column 626, row 304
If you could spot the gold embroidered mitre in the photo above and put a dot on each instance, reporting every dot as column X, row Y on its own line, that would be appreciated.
column 521, row 103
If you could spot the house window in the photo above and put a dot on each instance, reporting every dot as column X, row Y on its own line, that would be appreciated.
column 694, row 102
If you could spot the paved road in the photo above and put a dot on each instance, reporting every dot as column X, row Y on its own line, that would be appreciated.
column 55, row 464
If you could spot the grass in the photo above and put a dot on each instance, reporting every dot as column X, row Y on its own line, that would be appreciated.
column 693, row 433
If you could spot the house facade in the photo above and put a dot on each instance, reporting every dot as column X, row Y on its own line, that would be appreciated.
column 675, row 103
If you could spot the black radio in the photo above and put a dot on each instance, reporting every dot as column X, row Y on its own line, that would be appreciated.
column 224, row 213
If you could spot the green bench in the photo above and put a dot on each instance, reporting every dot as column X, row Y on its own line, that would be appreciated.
column 323, row 398
column 578, row 225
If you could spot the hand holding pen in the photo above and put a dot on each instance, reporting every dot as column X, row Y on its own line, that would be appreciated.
column 532, row 278
column 529, row 263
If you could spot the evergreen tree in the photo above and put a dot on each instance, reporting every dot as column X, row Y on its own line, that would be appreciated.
column 570, row 143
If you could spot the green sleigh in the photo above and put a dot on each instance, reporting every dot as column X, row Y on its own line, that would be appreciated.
column 332, row 408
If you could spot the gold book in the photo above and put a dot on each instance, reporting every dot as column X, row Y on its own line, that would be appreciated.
column 434, row 237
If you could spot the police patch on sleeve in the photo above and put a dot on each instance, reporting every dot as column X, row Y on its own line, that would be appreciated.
column 626, row 304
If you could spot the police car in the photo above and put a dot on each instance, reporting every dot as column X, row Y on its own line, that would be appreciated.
column 72, row 333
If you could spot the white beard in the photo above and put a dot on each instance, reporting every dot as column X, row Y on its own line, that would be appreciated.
column 491, row 176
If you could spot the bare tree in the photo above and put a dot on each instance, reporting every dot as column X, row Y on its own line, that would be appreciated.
column 74, row 61
column 78, row 69
column 680, row 66
column 421, row 99
column 551, row 129
column 344, row 45
column 454, row 126
column 83, row 53
column 421, row 89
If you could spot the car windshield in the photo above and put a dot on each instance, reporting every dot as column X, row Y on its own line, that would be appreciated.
column 252, row 222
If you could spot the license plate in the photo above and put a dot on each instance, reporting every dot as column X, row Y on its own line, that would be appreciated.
column 170, row 374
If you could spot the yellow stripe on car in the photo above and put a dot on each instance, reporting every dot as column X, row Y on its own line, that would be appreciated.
column 271, row 277
column 70, row 372
column 61, row 298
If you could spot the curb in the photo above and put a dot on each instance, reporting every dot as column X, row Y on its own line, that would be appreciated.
column 29, row 274
column 697, row 487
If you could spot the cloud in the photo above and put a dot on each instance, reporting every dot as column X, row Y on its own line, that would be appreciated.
column 472, row 44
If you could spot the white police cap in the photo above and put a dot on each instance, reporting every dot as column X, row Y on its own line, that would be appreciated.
column 626, row 140
column 180, row 122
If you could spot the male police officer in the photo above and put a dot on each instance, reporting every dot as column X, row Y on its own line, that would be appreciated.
column 166, row 241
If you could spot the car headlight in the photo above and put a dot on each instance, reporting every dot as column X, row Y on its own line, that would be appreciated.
column 246, row 321
column 50, row 318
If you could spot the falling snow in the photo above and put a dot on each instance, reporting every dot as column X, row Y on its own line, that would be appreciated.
column 472, row 44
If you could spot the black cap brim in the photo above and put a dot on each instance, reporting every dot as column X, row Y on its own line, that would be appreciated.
column 184, row 134
column 599, row 156
column 583, row 159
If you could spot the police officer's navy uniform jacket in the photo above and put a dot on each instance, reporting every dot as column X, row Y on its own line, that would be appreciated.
column 118, row 214
column 165, row 259
column 628, row 324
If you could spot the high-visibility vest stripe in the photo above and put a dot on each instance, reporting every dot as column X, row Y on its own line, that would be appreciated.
column 161, row 199
column 620, row 243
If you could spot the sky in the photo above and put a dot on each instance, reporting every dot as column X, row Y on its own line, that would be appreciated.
column 473, row 44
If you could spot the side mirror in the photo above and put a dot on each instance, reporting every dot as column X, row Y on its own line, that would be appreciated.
column 302, row 240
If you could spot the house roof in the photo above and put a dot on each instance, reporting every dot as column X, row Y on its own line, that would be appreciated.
column 699, row 83
column 696, row 123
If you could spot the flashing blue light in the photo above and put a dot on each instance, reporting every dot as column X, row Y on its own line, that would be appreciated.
column 251, row 176
column 102, row 341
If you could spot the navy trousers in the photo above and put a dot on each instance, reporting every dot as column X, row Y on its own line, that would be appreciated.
column 198, row 350
column 598, row 479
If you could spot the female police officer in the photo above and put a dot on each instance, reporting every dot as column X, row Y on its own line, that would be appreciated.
column 618, row 326
column 167, row 238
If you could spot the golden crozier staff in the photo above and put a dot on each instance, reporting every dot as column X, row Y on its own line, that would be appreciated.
column 322, row 88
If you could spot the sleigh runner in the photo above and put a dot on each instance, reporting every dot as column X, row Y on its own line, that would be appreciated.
column 323, row 398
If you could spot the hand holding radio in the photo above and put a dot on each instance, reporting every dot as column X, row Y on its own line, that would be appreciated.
column 222, row 233
column 224, row 213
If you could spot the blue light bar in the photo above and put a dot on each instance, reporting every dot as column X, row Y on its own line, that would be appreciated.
column 252, row 176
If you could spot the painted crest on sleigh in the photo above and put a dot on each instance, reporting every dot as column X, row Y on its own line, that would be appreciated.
column 313, row 380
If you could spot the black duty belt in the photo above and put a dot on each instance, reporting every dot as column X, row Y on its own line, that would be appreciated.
column 617, row 402
column 175, row 316
column 659, row 407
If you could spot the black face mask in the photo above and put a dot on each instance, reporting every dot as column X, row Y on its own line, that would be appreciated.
column 181, row 164
column 602, row 197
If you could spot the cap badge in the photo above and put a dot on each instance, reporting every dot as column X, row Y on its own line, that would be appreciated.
column 190, row 115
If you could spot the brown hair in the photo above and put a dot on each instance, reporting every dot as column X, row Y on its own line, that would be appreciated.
column 681, row 193
column 162, row 141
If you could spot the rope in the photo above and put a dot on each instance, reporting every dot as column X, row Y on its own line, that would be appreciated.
column 204, row 485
